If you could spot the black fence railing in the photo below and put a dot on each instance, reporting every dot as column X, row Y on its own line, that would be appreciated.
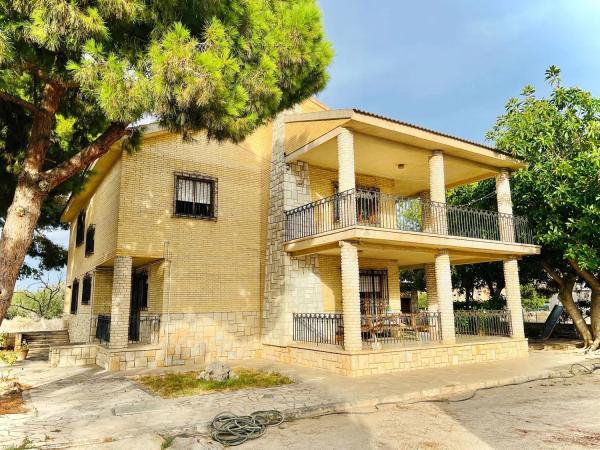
column 482, row 323
column 318, row 328
column 324, row 328
column 103, row 328
column 144, row 329
column 401, row 328
column 374, row 209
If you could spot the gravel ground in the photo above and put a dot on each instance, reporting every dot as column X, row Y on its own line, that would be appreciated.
column 554, row 414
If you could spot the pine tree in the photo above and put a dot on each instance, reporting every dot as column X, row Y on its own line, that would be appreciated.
column 75, row 76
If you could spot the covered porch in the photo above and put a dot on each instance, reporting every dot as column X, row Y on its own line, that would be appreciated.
column 130, row 319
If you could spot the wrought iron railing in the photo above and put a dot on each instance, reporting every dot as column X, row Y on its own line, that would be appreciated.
column 144, row 329
column 374, row 209
column 318, row 328
column 482, row 323
column 401, row 328
column 103, row 328
column 325, row 328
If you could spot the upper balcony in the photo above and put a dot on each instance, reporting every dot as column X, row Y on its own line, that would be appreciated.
column 401, row 211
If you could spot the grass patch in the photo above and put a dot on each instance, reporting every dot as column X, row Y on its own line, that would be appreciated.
column 182, row 384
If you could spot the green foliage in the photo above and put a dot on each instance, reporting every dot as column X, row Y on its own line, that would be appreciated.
column 42, row 300
column 422, row 300
column 222, row 66
column 182, row 384
column 559, row 136
column 495, row 302
column 531, row 299
column 8, row 357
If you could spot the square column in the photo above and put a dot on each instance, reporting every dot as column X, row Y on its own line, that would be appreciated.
column 346, row 178
column 121, row 302
column 505, row 207
column 431, row 285
column 351, row 297
column 438, row 220
column 512, row 290
column 444, row 295
column 345, row 147
column 437, row 178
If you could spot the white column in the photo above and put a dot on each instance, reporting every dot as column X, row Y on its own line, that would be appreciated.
column 431, row 285
column 437, row 179
column 345, row 144
column 444, row 294
column 121, row 302
column 505, row 209
column 346, row 178
column 437, row 193
column 351, row 296
column 512, row 289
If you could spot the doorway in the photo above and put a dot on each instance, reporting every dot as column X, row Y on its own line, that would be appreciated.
column 374, row 295
column 139, row 302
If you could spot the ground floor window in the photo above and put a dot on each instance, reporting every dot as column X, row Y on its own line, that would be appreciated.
column 74, row 296
column 374, row 294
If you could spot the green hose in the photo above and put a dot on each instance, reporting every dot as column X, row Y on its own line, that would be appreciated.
column 230, row 429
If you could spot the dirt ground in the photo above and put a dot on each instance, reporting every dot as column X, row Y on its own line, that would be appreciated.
column 555, row 414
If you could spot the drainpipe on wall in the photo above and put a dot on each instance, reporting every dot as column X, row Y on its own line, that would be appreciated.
column 167, row 324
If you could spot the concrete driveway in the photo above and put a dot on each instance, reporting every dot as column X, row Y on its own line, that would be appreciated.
column 88, row 408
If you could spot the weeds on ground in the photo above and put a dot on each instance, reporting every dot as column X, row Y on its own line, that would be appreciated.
column 26, row 444
column 168, row 441
column 182, row 384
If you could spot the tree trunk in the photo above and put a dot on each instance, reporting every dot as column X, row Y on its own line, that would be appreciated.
column 17, row 234
column 565, row 295
column 595, row 319
column 594, row 284
column 25, row 209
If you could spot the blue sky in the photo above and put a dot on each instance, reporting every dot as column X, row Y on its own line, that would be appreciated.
column 452, row 65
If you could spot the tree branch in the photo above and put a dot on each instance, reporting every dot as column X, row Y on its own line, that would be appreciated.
column 589, row 277
column 81, row 160
column 9, row 98
column 553, row 273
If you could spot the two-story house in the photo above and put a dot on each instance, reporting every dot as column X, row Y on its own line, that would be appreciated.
column 289, row 246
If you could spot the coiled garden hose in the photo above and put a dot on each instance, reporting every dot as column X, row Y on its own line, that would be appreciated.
column 230, row 429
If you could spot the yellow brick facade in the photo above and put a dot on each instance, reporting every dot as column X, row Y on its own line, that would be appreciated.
column 225, row 288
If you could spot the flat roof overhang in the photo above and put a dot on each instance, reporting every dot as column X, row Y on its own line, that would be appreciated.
column 382, row 144
column 409, row 249
column 137, row 260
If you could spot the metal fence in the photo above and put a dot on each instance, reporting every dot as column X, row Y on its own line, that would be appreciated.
column 103, row 328
column 401, row 328
column 374, row 209
column 323, row 328
column 144, row 329
column 482, row 323
column 318, row 328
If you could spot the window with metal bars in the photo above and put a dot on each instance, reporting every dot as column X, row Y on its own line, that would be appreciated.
column 374, row 295
column 80, row 230
column 89, row 240
column 86, row 290
column 195, row 196
column 74, row 296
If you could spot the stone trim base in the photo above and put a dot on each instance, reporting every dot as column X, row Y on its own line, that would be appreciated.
column 394, row 360
column 114, row 360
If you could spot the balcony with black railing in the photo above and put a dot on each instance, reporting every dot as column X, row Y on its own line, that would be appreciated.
column 384, row 211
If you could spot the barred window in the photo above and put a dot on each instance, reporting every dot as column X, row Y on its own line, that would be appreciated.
column 74, row 296
column 80, row 230
column 89, row 239
column 195, row 196
column 86, row 290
